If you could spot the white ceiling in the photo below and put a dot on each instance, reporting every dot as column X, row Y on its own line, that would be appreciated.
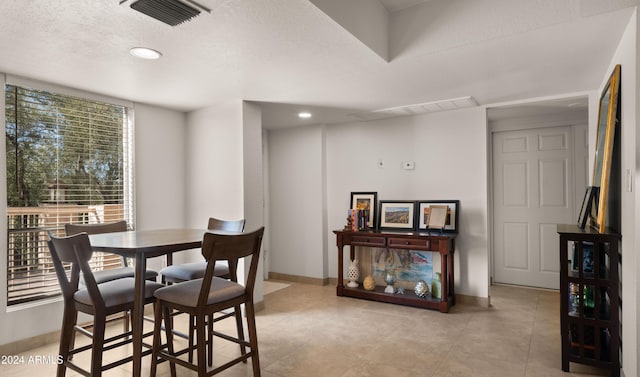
column 290, row 55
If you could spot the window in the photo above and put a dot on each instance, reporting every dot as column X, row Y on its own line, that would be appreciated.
column 68, row 160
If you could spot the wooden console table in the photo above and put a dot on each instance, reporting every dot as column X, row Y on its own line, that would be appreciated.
column 590, row 297
column 443, row 243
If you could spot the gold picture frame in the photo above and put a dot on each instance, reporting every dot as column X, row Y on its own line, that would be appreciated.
column 607, row 119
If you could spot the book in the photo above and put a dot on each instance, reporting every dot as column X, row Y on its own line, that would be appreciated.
column 437, row 216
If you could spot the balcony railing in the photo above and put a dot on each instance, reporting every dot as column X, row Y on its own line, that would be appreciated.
column 30, row 272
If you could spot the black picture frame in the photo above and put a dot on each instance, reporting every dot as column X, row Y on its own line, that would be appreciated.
column 451, row 225
column 367, row 200
column 396, row 215
column 590, row 195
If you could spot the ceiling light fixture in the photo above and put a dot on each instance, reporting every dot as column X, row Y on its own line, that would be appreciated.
column 304, row 115
column 145, row 53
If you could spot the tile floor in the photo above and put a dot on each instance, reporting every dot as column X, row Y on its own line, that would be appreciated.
column 307, row 331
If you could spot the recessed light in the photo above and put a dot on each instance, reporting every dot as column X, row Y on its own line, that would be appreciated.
column 304, row 114
column 145, row 53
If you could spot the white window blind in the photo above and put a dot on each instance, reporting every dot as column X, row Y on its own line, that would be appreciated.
column 68, row 160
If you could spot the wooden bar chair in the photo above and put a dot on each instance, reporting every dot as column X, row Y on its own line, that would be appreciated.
column 98, row 300
column 203, row 297
column 178, row 273
column 188, row 271
column 125, row 271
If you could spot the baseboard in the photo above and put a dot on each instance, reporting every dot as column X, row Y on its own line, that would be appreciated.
column 298, row 279
column 473, row 300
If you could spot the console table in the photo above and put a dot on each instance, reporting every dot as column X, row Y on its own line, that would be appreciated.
column 443, row 243
column 590, row 297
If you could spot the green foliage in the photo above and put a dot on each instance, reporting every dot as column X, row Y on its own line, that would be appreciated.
column 55, row 139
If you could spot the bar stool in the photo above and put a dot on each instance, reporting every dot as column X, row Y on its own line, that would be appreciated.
column 178, row 273
column 98, row 300
column 203, row 297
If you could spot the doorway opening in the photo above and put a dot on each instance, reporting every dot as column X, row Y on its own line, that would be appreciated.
column 538, row 175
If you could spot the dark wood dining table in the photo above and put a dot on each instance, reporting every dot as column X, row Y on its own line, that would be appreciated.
column 142, row 245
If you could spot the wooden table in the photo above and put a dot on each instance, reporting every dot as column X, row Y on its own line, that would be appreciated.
column 442, row 243
column 141, row 245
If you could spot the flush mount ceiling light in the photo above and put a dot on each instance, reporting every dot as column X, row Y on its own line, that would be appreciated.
column 304, row 115
column 145, row 53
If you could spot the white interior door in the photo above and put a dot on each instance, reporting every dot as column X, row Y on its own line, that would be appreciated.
column 534, row 186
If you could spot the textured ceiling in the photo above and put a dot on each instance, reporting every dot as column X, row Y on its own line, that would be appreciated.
column 290, row 54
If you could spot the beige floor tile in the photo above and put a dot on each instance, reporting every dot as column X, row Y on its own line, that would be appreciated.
column 306, row 331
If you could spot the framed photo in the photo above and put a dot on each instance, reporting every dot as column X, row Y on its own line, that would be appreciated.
column 422, row 214
column 396, row 215
column 367, row 201
column 590, row 195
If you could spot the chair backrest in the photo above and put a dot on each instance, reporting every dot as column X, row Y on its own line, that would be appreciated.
column 118, row 226
column 226, row 225
column 75, row 249
column 231, row 247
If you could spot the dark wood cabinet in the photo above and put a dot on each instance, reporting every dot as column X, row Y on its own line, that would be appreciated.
column 444, row 244
column 589, row 297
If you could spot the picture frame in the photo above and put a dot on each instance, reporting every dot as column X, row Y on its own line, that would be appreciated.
column 422, row 214
column 396, row 215
column 367, row 201
column 587, row 204
column 608, row 117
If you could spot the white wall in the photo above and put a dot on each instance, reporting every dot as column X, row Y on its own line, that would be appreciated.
column 159, row 154
column 253, row 182
column 627, row 56
column 449, row 150
column 213, row 168
column 159, row 170
column 296, row 202
column 223, row 159
column 214, row 171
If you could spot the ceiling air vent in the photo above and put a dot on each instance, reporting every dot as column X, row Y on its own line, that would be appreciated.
column 171, row 12
column 420, row 108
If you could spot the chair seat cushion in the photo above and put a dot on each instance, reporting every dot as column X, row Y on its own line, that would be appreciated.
column 187, row 293
column 191, row 271
column 117, row 292
column 119, row 273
